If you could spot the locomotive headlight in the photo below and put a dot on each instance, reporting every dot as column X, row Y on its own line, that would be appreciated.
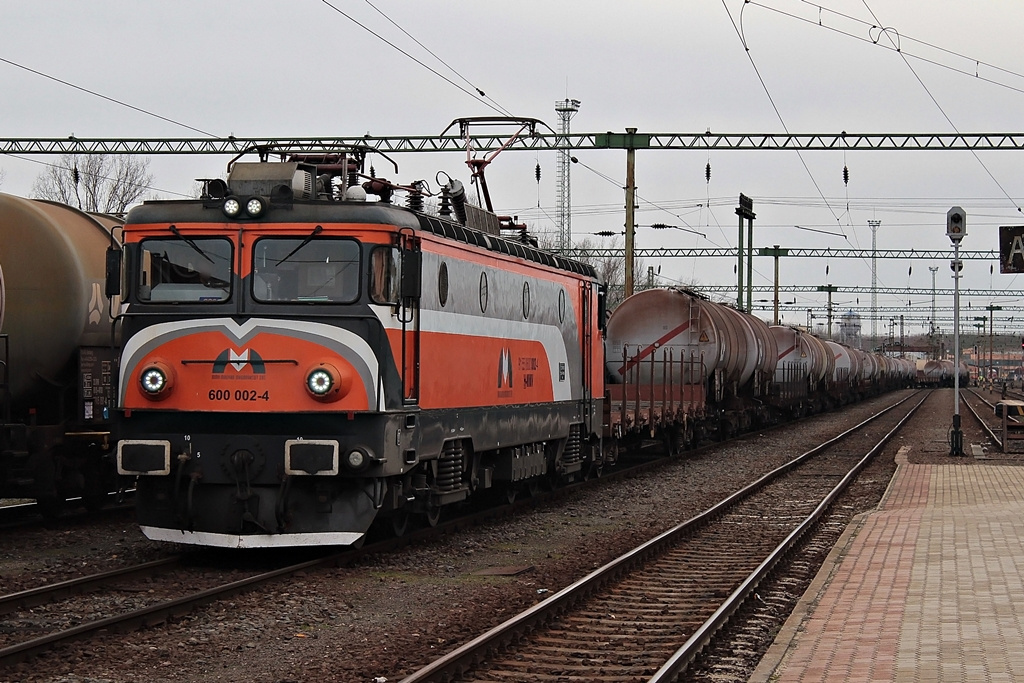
column 156, row 380
column 231, row 207
column 326, row 383
column 255, row 206
column 320, row 382
column 153, row 380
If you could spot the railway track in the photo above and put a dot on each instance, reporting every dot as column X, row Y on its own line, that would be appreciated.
column 970, row 399
column 48, row 633
column 22, row 513
column 49, row 629
column 646, row 615
column 104, row 591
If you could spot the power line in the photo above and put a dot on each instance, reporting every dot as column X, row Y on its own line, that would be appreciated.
column 874, row 40
column 432, row 54
column 803, row 162
column 105, row 97
column 941, row 110
column 366, row 28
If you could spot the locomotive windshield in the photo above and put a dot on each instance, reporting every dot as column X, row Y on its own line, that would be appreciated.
column 178, row 270
column 319, row 270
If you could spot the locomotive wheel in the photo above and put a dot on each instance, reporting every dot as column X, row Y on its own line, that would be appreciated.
column 510, row 494
column 433, row 515
column 400, row 522
column 533, row 487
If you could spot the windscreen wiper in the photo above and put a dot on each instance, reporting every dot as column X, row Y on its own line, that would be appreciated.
column 189, row 242
column 316, row 231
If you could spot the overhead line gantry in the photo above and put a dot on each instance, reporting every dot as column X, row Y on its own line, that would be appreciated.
column 554, row 141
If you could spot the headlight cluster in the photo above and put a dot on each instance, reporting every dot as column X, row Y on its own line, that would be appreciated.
column 156, row 380
column 326, row 383
column 254, row 207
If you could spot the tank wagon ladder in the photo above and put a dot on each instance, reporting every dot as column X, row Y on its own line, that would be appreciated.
column 641, row 401
column 5, row 379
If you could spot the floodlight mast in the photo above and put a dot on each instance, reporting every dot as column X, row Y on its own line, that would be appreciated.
column 956, row 229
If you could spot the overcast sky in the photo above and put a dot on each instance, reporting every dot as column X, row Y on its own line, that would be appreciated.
column 264, row 69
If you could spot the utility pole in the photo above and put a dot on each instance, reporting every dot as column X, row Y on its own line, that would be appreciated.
column 991, row 359
column 628, row 141
column 776, row 252
column 565, row 109
column 829, row 289
column 630, row 209
column 931, row 332
column 745, row 210
column 874, row 224
column 979, row 346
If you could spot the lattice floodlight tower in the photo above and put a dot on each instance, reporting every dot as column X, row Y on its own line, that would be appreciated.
column 565, row 109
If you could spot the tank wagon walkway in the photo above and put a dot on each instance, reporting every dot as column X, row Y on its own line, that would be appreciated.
column 929, row 587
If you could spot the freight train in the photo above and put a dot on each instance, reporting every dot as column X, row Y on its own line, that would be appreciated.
column 294, row 362
column 681, row 369
column 301, row 358
column 300, row 362
column 57, row 354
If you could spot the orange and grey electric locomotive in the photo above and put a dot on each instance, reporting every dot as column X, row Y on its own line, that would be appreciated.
column 298, row 361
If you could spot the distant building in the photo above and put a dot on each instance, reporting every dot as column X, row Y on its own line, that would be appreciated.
column 849, row 329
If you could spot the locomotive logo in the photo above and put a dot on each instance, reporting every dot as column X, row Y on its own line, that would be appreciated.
column 505, row 369
column 238, row 361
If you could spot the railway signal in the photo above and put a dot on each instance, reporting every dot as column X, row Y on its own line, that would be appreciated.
column 956, row 229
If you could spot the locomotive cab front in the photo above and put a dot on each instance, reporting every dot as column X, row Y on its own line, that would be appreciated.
column 255, row 378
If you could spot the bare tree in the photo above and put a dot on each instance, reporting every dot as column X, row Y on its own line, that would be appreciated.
column 612, row 271
column 95, row 182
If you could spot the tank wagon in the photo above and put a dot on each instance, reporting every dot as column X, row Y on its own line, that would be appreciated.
column 940, row 373
column 298, row 362
column 56, row 353
column 685, row 367
column 681, row 368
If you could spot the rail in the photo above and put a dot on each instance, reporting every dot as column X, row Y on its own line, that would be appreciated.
column 465, row 657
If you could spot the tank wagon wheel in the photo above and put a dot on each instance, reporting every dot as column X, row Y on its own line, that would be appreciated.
column 533, row 487
column 433, row 515
column 511, row 492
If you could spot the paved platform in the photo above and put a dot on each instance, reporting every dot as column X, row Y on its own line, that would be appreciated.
column 929, row 587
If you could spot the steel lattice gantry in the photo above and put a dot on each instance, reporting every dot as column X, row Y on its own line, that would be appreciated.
column 823, row 253
column 541, row 141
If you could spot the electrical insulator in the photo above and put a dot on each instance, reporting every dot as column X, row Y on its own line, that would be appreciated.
column 74, row 174
column 707, row 172
column 538, row 173
column 846, row 175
